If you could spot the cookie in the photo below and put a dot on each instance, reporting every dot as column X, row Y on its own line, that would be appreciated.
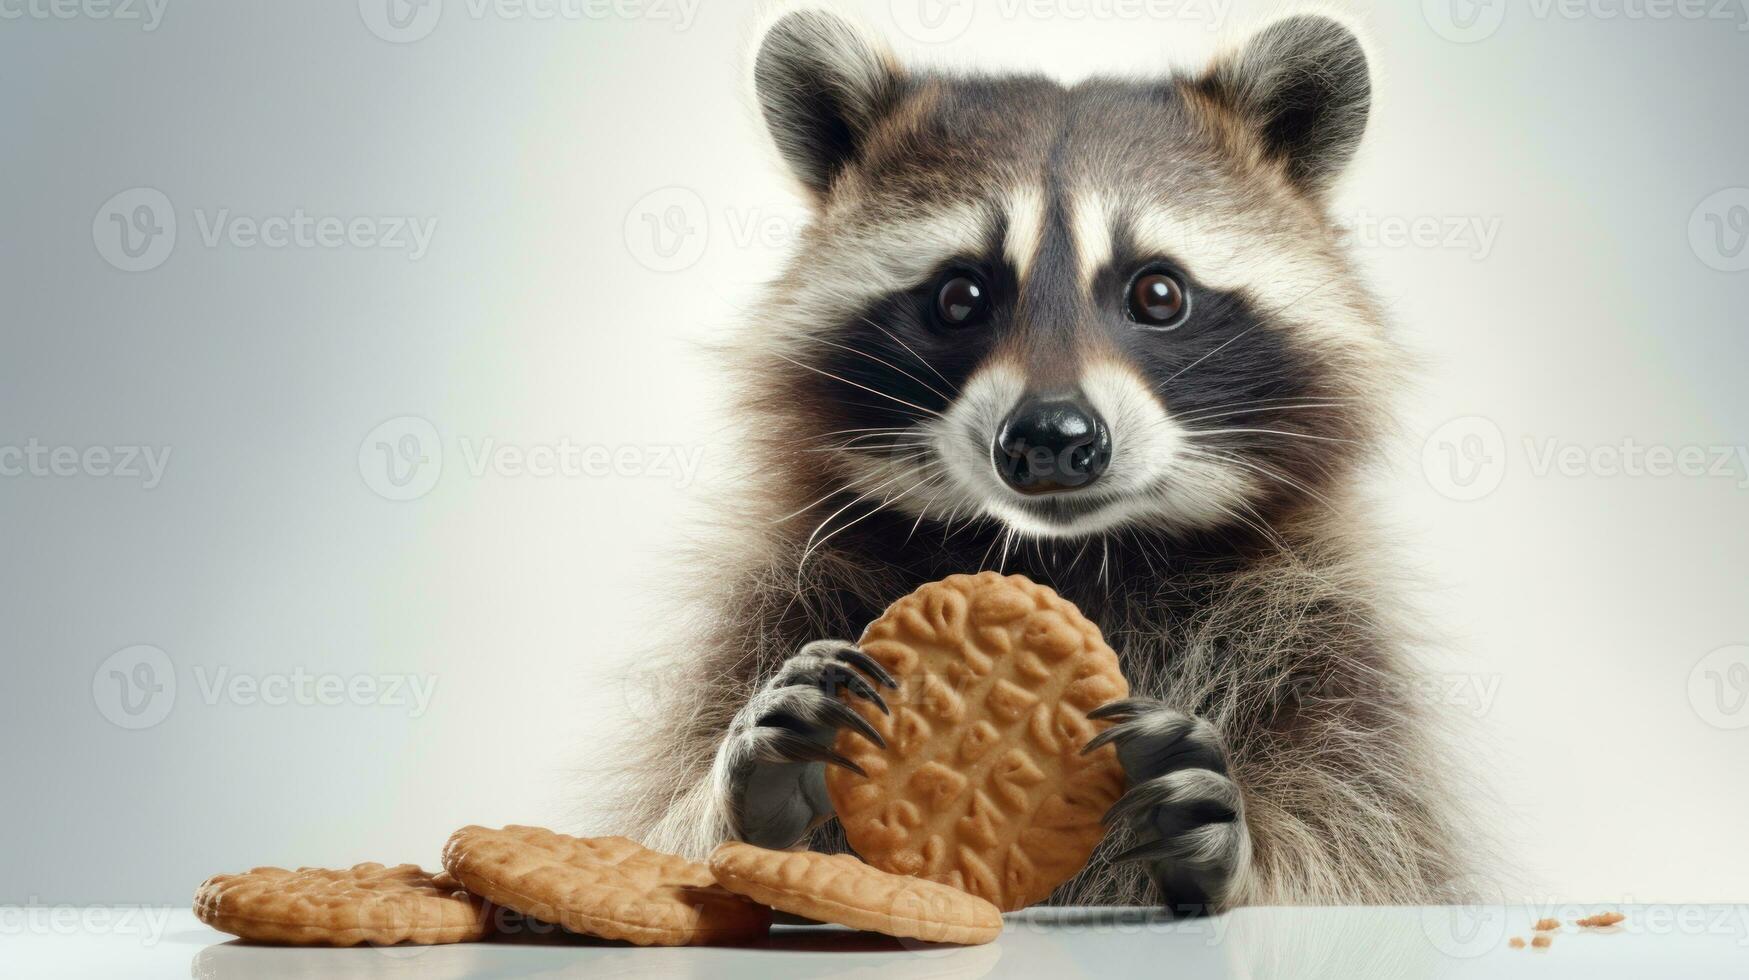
column 610, row 887
column 839, row 888
column 367, row 903
column 982, row 784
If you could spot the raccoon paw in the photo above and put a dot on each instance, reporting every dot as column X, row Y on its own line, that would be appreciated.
column 771, row 768
column 1182, row 807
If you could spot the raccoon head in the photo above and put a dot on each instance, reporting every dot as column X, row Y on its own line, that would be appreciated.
column 1068, row 309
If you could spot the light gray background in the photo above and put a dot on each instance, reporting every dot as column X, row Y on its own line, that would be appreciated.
column 1577, row 605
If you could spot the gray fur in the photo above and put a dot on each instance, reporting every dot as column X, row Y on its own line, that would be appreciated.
column 1184, row 813
column 822, row 87
column 1271, row 677
column 1303, row 82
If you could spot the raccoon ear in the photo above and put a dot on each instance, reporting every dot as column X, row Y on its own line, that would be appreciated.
column 1304, row 85
column 822, row 85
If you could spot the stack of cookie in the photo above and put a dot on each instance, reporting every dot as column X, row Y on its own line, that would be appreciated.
column 981, row 802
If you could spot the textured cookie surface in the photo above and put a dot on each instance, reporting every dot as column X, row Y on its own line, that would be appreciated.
column 610, row 887
column 367, row 903
column 839, row 888
column 983, row 785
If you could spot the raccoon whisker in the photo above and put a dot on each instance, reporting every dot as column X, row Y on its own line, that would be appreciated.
column 810, row 545
column 934, row 485
column 1264, row 471
column 933, row 481
column 859, row 434
column 889, row 430
column 920, row 358
column 829, row 495
column 947, row 530
column 895, row 433
column 852, row 444
column 888, row 364
column 1268, row 432
column 1229, row 342
column 1238, row 336
column 885, row 502
column 840, row 490
column 1270, row 312
column 1282, row 400
column 1073, row 562
column 1007, row 539
column 1274, row 475
column 947, row 522
column 1256, row 524
column 908, row 416
column 914, row 451
column 872, row 391
column 984, row 562
column 1220, row 412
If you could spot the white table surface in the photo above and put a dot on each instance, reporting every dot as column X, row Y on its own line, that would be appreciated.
column 1339, row 943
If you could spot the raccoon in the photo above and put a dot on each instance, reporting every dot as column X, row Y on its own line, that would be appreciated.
column 1102, row 335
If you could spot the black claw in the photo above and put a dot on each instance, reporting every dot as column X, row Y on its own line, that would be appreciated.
column 1149, row 794
column 1121, row 730
column 865, row 663
column 794, row 748
column 845, row 716
column 1121, row 708
column 1153, row 850
column 1102, row 739
column 833, row 758
column 860, row 688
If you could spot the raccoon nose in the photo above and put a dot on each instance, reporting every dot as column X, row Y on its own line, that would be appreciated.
column 1049, row 445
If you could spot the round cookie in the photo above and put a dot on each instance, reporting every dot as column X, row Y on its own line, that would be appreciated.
column 839, row 888
column 610, row 887
column 983, row 784
column 367, row 903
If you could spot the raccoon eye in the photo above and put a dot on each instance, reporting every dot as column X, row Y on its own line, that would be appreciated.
column 1158, row 299
column 961, row 300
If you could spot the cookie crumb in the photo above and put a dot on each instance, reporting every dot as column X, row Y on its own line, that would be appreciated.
column 1542, row 941
column 1547, row 925
column 1600, row 920
column 1516, row 942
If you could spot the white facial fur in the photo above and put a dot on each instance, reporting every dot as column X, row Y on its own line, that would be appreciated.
column 1026, row 227
column 1157, row 476
column 852, row 262
column 1090, row 231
